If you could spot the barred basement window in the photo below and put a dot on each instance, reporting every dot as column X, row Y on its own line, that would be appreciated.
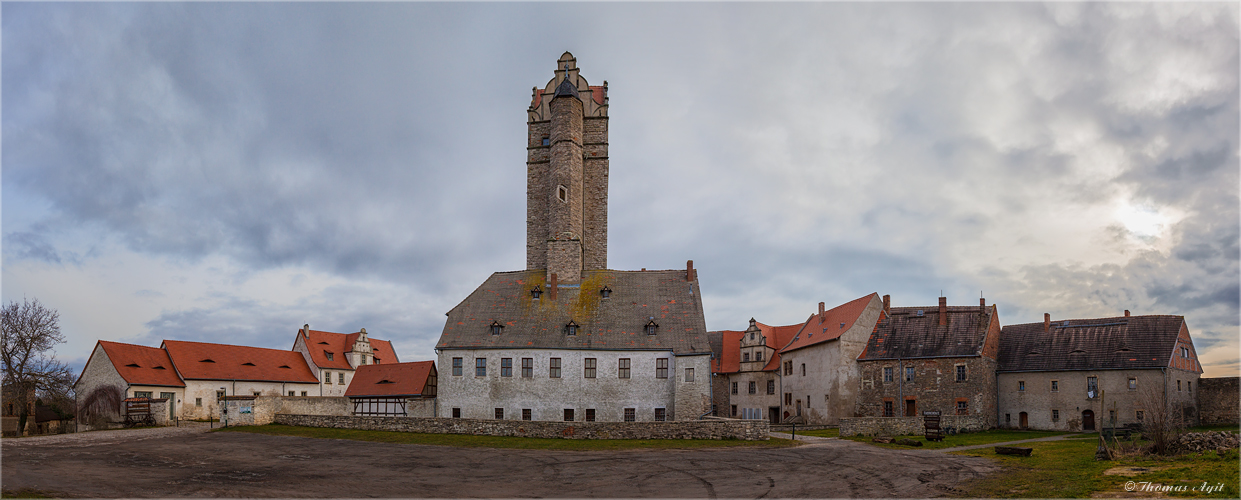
column 568, row 414
column 622, row 368
column 590, row 414
column 527, row 367
column 456, row 413
column 591, row 363
column 506, row 367
column 660, row 413
column 553, row 368
column 661, row 368
column 631, row 414
column 456, row 366
column 499, row 413
column 525, row 414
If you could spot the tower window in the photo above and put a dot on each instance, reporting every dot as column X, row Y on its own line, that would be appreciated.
column 546, row 140
column 562, row 193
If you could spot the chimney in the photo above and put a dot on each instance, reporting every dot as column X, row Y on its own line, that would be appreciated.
column 982, row 302
column 1126, row 313
column 943, row 311
column 551, row 288
column 821, row 318
column 887, row 304
column 306, row 330
column 1046, row 321
column 689, row 270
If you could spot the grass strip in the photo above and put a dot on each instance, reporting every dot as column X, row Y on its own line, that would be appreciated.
column 970, row 439
column 521, row 443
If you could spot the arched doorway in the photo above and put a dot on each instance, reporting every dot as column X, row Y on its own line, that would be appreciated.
column 1087, row 420
column 1025, row 420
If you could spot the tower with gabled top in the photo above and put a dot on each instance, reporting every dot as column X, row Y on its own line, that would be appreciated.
column 567, row 175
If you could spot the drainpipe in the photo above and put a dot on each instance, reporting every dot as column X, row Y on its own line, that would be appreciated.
column 900, row 388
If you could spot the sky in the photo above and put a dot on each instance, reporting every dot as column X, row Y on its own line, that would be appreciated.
column 227, row 172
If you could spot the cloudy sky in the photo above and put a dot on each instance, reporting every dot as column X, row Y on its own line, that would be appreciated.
column 227, row 172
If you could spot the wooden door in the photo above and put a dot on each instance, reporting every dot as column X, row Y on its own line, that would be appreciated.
column 911, row 408
column 773, row 414
column 1025, row 420
column 1088, row 420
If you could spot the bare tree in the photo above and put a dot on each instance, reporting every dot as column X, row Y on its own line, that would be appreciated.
column 31, row 331
column 100, row 404
column 1161, row 422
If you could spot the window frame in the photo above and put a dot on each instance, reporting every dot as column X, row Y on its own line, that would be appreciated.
column 622, row 368
column 963, row 407
column 499, row 414
column 909, row 373
column 631, row 414
column 1021, row 386
column 771, row 386
column 1055, row 386
column 590, row 367
column 527, row 367
column 526, row 414
column 661, row 414
column 661, row 367
column 458, row 366
column 568, row 415
column 506, row 367
column 752, row 387
column 887, row 374
column 553, row 368
column 962, row 373
column 689, row 375
column 734, row 391
column 480, row 367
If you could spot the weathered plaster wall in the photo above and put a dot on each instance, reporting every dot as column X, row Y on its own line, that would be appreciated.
column 1038, row 400
column 830, row 386
column 760, row 400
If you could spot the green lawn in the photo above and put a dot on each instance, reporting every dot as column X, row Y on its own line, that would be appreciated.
column 1067, row 469
column 973, row 438
column 825, row 433
column 464, row 440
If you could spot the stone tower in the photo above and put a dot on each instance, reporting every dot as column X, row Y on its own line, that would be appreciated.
column 567, row 175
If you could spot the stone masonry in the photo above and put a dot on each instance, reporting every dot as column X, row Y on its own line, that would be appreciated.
column 905, row 426
column 1218, row 401
column 749, row 430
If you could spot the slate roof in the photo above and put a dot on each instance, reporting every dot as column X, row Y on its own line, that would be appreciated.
column 142, row 365
column 1090, row 344
column 203, row 361
column 903, row 334
column 397, row 379
column 835, row 322
column 614, row 323
column 341, row 343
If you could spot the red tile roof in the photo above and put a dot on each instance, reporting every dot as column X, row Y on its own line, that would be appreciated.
column 834, row 322
column 203, row 361
column 398, row 379
column 729, row 360
column 339, row 344
column 775, row 336
column 142, row 365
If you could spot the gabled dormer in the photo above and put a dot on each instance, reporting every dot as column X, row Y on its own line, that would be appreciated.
column 360, row 352
column 755, row 353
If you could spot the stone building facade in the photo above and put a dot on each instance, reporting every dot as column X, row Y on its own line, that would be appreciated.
column 1074, row 375
column 819, row 365
column 931, row 359
column 1218, row 401
column 334, row 358
column 567, row 338
column 134, row 371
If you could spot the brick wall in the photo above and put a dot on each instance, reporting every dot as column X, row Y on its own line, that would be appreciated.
column 899, row 426
column 749, row 430
column 1218, row 400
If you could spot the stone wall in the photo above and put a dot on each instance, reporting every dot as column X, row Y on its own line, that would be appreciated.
column 933, row 388
column 261, row 410
column 899, row 426
column 1218, row 401
column 749, row 430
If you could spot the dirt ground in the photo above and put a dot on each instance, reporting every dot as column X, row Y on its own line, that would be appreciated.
column 188, row 462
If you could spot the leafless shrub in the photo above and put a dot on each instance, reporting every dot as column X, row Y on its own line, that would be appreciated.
column 1162, row 422
column 100, row 404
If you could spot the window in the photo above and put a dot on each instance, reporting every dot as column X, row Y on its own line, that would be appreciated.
column 1092, row 386
column 590, row 367
column 660, row 413
column 651, row 327
column 571, row 328
column 788, row 399
column 887, row 374
column 198, row 402
column 1184, row 352
column 506, row 367
column 527, row 367
column 661, row 368
column 327, row 377
column 525, row 414
column 622, row 368
column 535, row 292
column 632, row 415
column 499, row 413
column 456, row 367
column 219, row 395
column 1021, row 386
column 753, row 387
column 546, row 141
column 1189, row 386
column 606, row 292
column 329, row 355
column 758, row 355
column 480, row 367
column 456, row 413
column 375, row 360
column 1140, row 415
column 734, row 387
column 1055, row 415
column 562, row 193
column 909, row 374
column 734, row 410
column 291, row 393
column 1133, row 384
column 887, row 409
column 771, row 387
column 496, row 327
column 1008, row 419
column 689, row 374
column 340, row 377
column 553, row 368
column 963, row 407
column 788, row 367
column 803, row 369
column 745, row 357
column 1178, row 387
column 961, row 374
column 1055, row 386
column 568, row 414
column 303, row 394
column 590, row 414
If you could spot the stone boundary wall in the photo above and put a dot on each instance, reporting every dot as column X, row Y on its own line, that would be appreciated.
column 748, row 430
column 1219, row 401
column 899, row 426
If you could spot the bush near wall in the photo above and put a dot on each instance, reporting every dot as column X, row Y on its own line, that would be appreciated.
column 905, row 426
column 749, row 430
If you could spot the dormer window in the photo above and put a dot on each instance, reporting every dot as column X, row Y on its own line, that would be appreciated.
column 496, row 328
column 160, row 368
column 329, row 355
column 133, row 365
column 536, row 292
column 247, row 364
column 571, row 328
column 605, row 292
column 208, row 360
column 651, row 327
column 562, row 193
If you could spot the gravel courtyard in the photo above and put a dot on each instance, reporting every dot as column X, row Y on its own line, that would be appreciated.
column 188, row 462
